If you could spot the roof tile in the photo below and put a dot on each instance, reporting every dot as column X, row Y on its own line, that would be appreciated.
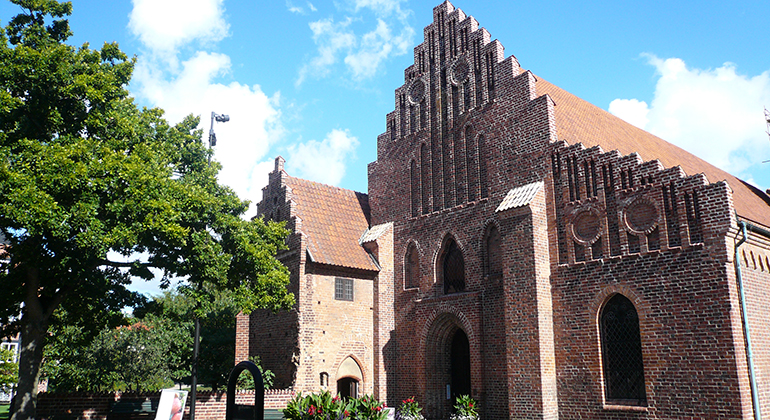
column 578, row 121
column 333, row 220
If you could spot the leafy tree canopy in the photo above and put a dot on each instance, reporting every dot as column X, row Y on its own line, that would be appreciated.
column 86, row 176
column 149, row 351
column 144, row 355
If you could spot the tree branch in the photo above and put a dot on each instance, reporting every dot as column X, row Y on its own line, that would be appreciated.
column 119, row 264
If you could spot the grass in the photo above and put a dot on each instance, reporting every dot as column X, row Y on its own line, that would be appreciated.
column 4, row 408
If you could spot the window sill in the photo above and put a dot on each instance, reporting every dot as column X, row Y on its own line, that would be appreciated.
column 620, row 407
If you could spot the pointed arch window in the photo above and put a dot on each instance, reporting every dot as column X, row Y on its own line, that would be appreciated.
column 472, row 164
column 622, row 353
column 453, row 268
column 493, row 253
column 414, row 189
column 411, row 268
column 482, row 160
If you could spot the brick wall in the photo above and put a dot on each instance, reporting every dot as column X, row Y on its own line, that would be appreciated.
column 383, row 317
column 468, row 155
column 274, row 337
column 96, row 406
column 320, row 333
column 754, row 257
column 334, row 330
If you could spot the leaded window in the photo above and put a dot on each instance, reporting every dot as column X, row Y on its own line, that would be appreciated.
column 411, row 268
column 453, row 268
column 343, row 289
column 622, row 353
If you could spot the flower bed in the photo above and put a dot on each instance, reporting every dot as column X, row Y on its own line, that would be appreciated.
column 324, row 406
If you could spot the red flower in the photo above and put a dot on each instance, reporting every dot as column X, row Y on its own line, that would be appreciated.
column 378, row 408
column 470, row 405
column 335, row 399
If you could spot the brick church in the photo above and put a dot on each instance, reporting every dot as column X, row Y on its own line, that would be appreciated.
column 527, row 248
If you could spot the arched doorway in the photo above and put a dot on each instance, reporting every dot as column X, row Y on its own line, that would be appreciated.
column 459, row 365
column 347, row 387
column 448, row 365
column 349, row 378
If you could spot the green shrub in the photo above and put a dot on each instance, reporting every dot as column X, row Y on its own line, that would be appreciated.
column 324, row 406
column 367, row 408
column 246, row 381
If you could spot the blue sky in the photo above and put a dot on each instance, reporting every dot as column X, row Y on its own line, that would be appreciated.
column 313, row 80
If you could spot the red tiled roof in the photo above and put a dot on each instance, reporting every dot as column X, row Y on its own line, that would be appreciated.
column 333, row 220
column 578, row 121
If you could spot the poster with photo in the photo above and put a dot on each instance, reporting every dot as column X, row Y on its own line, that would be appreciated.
column 171, row 405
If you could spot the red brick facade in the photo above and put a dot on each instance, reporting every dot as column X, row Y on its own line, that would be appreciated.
column 503, row 215
column 326, row 338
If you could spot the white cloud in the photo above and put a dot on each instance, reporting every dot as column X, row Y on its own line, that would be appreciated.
column 254, row 117
column 322, row 161
column 362, row 52
column 632, row 111
column 163, row 26
column 716, row 114
column 376, row 46
column 294, row 9
column 331, row 37
column 381, row 7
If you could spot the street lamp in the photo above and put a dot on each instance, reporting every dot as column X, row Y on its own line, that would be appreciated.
column 197, row 341
column 218, row 118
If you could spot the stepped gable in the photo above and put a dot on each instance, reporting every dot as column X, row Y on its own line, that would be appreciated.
column 457, row 51
column 579, row 121
column 333, row 220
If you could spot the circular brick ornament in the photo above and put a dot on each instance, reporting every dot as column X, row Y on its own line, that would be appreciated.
column 460, row 71
column 586, row 227
column 640, row 217
column 416, row 91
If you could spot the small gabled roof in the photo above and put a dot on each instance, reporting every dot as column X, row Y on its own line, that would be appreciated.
column 375, row 232
column 520, row 196
column 333, row 220
column 578, row 121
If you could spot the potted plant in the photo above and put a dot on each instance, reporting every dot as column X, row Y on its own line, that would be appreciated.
column 465, row 409
column 409, row 410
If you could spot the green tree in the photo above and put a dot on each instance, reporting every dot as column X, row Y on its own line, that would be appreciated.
column 85, row 175
column 144, row 355
column 217, row 351
column 159, row 335
column 8, row 370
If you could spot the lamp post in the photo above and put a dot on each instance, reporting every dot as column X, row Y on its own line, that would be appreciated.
column 218, row 118
column 197, row 338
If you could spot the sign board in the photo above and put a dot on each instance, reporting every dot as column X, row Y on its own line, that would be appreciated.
column 171, row 405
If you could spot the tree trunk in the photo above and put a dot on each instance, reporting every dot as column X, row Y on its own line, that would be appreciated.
column 32, row 341
column 34, row 327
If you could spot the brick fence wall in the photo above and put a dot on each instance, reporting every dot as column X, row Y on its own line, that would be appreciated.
column 96, row 406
